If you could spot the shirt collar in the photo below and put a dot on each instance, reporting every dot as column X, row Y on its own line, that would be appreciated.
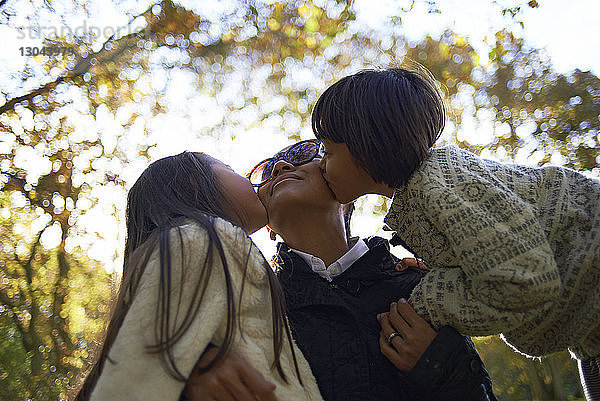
column 339, row 266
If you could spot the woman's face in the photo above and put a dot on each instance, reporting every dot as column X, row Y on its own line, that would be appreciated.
column 294, row 188
column 242, row 204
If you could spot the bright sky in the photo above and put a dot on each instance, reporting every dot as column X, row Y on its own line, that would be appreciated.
column 568, row 31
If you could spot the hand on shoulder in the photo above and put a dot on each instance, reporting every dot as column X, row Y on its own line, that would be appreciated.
column 231, row 379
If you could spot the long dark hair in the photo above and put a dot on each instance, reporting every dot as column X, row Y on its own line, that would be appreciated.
column 170, row 192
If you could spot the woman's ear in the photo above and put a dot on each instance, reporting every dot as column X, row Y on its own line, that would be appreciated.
column 272, row 234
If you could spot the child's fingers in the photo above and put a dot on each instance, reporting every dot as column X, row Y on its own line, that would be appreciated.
column 409, row 262
column 405, row 264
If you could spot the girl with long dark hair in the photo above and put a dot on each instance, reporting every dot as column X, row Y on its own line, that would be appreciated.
column 192, row 277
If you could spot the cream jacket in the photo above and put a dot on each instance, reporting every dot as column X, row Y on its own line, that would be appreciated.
column 513, row 250
column 139, row 375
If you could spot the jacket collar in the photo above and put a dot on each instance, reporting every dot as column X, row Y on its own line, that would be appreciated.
column 377, row 260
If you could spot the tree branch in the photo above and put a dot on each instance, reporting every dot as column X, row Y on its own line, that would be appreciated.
column 16, row 183
column 25, row 335
column 82, row 66
column 59, row 293
column 27, row 266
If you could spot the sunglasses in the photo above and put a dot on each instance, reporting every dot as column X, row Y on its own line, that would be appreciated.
column 299, row 154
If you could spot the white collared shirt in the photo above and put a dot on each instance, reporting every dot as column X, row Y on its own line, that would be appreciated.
column 340, row 265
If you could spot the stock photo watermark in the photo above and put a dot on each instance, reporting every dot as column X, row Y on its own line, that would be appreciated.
column 66, row 38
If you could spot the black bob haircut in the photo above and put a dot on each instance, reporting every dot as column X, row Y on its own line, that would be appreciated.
column 389, row 120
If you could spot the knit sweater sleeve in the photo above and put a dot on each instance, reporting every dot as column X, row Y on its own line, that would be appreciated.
column 506, row 272
column 137, row 374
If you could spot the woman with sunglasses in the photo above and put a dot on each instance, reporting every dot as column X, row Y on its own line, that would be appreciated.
column 335, row 286
column 192, row 277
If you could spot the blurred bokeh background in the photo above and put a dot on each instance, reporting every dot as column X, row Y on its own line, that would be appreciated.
column 91, row 91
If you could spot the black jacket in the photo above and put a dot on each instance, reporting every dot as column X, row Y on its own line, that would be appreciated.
column 335, row 326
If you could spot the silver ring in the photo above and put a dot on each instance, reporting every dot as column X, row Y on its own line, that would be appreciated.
column 391, row 336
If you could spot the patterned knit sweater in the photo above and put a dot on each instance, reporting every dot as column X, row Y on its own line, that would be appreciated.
column 513, row 250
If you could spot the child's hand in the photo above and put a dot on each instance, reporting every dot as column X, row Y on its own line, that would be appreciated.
column 410, row 262
column 412, row 335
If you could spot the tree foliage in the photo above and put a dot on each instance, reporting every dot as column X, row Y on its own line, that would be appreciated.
column 52, row 303
column 70, row 139
column 515, row 377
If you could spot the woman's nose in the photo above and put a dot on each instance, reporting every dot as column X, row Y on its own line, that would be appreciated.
column 281, row 166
